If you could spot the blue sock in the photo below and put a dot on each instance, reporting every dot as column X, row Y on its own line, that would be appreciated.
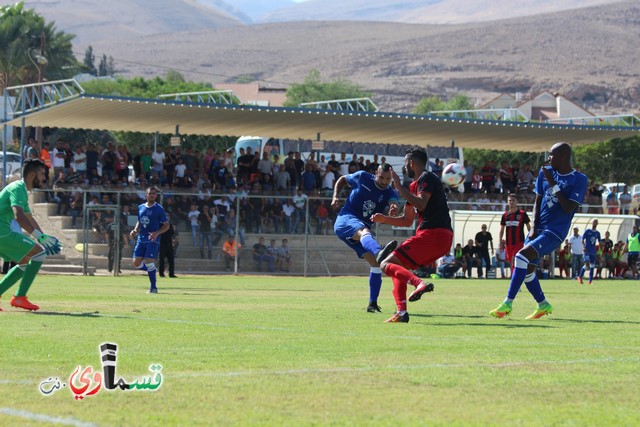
column 519, row 272
column 591, row 274
column 151, row 271
column 533, row 285
column 375, row 283
column 369, row 243
column 581, row 272
column 143, row 266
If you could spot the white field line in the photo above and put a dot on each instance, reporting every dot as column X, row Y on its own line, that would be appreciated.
column 44, row 418
column 406, row 367
column 358, row 335
column 303, row 371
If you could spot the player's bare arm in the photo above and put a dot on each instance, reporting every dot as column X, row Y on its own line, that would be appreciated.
column 404, row 220
column 418, row 201
column 337, row 189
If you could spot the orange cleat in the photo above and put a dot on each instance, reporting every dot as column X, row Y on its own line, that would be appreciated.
column 23, row 302
column 580, row 280
column 398, row 318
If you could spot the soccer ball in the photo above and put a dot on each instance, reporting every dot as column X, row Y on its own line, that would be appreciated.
column 454, row 174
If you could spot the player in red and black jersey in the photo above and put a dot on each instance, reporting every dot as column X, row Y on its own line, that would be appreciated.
column 513, row 222
column 434, row 235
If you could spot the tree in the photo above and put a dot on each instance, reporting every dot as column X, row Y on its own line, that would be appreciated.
column 24, row 35
column 434, row 103
column 609, row 161
column 90, row 61
column 102, row 67
column 314, row 90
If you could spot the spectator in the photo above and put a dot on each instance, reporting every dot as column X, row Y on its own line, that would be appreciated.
column 283, row 179
column 625, row 201
column 613, row 207
column 525, row 179
column 471, row 259
column 230, row 252
column 260, row 254
column 575, row 243
column 283, row 260
column 76, row 206
column 564, row 260
column 468, row 189
column 288, row 209
column 506, row 177
column 204, row 224
column 193, row 221
column 501, row 259
column 299, row 201
column 447, row 266
column 80, row 160
column 265, row 165
column 322, row 216
column 483, row 241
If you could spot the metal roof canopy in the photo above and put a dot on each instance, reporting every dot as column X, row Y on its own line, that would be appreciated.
column 467, row 223
column 97, row 112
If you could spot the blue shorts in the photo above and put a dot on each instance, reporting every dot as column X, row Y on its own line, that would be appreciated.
column 345, row 227
column 545, row 243
column 590, row 258
column 146, row 250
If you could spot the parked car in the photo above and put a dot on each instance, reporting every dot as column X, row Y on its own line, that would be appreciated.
column 13, row 163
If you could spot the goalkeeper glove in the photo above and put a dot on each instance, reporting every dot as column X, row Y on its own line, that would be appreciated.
column 51, row 244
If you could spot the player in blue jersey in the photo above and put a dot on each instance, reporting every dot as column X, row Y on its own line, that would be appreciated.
column 152, row 222
column 590, row 239
column 370, row 194
column 559, row 191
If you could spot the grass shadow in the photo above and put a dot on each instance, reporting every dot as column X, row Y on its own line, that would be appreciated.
column 95, row 314
column 604, row 322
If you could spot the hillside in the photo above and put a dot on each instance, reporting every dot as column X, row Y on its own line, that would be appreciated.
column 422, row 11
column 587, row 54
column 93, row 20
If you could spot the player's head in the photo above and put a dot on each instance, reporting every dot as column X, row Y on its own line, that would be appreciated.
column 415, row 161
column 152, row 194
column 560, row 156
column 33, row 171
column 594, row 224
column 383, row 175
column 512, row 201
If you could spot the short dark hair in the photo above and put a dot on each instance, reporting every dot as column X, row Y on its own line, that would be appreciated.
column 385, row 167
column 418, row 154
column 32, row 165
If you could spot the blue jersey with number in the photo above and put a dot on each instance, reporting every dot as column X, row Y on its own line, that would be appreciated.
column 151, row 219
column 590, row 239
column 573, row 185
column 366, row 198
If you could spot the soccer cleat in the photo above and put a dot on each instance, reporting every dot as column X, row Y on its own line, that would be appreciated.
column 153, row 291
column 398, row 318
column 23, row 302
column 173, row 276
column 590, row 282
column 374, row 308
column 580, row 280
column 384, row 252
column 503, row 310
column 420, row 289
column 546, row 309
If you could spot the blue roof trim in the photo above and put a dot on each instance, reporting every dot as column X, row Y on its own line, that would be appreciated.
column 444, row 119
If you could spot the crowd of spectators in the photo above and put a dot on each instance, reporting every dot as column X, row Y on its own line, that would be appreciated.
column 211, row 197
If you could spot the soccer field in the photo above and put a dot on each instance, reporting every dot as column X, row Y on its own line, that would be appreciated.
column 226, row 350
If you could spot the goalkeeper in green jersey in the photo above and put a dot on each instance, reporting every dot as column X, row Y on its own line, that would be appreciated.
column 29, row 254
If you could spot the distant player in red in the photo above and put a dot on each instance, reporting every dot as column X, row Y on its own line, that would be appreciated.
column 433, row 238
column 513, row 222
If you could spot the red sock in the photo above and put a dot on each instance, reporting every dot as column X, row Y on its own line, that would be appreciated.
column 400, row 293
column 402, row 274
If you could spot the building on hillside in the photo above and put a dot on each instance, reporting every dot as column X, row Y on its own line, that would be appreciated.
column 264, row 95
column 542, row 107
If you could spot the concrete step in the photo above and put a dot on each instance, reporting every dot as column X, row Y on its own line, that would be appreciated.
column 66, row 269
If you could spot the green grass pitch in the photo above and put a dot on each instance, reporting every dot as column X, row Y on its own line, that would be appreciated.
column 292, row 351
